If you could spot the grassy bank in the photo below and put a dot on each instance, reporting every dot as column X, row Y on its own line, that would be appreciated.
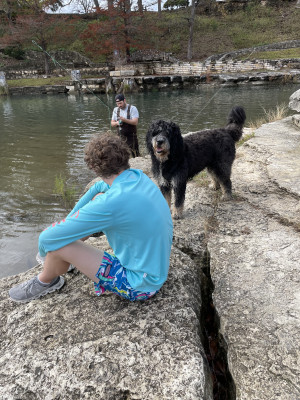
column 253, row 26
column 36, row 81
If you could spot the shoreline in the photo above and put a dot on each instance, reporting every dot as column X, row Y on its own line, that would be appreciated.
column 131, row 84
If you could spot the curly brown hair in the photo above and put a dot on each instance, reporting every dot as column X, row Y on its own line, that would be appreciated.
column 107, row 155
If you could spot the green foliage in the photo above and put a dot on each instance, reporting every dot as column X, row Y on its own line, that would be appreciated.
column 77, row 45
column 126, row 88
column 67, row 194
column 37, row 81
column 176, row 4
column 274, row 55
column 3, row 90
column 14, row 52
column 207, row 24
column 222, row 32
column 253, row 27
column 176, row 47
column 256, row 10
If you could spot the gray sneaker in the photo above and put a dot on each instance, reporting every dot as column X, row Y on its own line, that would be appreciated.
column 33, row 289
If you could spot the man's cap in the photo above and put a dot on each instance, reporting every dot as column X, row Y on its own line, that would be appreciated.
column 120, row 97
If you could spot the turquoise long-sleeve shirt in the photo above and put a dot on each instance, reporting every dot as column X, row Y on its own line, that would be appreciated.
column 136, row 220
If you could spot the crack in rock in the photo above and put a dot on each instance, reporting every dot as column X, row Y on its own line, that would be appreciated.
column 214, row 345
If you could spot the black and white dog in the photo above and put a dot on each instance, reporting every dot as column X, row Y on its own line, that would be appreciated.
column 175, row 159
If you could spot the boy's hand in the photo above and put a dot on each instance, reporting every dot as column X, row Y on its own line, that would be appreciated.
column 98, row 194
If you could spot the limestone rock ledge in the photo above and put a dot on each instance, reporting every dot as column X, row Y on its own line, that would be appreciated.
column 255, row 253
column 73, row 345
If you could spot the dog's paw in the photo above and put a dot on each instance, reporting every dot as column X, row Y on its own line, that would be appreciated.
column 214, row 186
column 177, row 213
column 176, row 216
column 226, row 197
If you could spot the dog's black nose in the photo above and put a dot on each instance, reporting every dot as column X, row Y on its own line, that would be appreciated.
column 160, row 142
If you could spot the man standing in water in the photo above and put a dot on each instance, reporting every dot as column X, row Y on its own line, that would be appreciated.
column 125, row 118
column 133, row 214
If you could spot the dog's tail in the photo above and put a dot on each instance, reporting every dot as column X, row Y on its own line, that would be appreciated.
column 236, row 120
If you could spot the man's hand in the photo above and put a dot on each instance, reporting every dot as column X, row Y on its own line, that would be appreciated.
column 133, row 121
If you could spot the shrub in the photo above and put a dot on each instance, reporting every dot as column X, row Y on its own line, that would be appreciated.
column 176, row 4
column 14, row 52
column 66, row 194
column 280, row 112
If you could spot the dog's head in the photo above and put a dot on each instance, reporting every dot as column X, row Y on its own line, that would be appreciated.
column 164, row 140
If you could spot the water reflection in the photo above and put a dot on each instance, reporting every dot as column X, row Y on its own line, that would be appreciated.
column 44, row 137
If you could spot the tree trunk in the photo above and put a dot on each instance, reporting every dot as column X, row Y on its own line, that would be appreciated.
column 47, row 64
column 9, row 10
column 159, row 7
column 46, row 57
column 126, row 29
column 110, row 4
column 140, row 6
column 127, row 6
column 191, row 33
column 96, row 2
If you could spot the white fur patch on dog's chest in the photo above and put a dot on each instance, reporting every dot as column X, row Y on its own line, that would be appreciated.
column 162, row 181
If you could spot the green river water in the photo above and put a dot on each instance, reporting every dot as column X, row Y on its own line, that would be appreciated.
column 43, row 137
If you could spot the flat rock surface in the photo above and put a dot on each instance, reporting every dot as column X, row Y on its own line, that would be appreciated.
column 73, row 345
column 255, row 253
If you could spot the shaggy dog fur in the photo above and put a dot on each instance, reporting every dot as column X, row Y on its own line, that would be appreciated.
column 175, row 159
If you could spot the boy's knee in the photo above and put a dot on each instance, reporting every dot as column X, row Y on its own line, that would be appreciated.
column 43, row 242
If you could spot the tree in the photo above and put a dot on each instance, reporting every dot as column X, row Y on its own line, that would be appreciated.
column 176, row 4
column 97, row 5
column 117, row 31
column 23, row 6
column 32, row 23
column 159, row 7
column 191, row 21
column 85, row 6
column 140, row 5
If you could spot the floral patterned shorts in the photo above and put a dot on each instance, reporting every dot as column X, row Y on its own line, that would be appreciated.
column 112, row 277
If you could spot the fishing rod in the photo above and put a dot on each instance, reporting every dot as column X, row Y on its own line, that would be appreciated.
column 214, row 95
column 203, row 108
column 63, row 68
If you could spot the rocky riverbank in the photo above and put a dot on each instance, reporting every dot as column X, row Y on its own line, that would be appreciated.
column 224, row 326
column 162, row 82
column 158, row 72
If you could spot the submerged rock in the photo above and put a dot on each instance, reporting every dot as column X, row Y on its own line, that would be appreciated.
column 294, row 103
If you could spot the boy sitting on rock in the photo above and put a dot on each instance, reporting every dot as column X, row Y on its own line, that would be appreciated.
column 133, row 214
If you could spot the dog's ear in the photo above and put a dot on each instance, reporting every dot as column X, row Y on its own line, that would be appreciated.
column 176, row 140
column 149, row 135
